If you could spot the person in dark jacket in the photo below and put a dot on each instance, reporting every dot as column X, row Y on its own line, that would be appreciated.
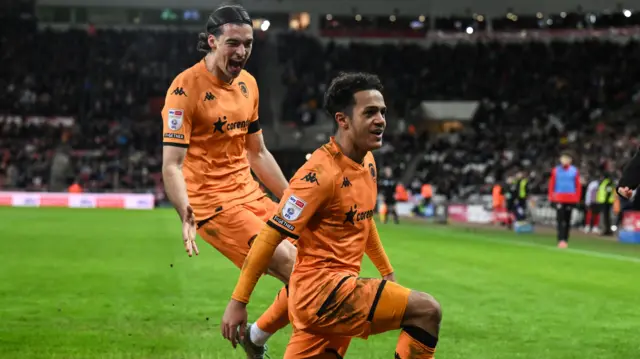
column 387, row 186
column 630, row 177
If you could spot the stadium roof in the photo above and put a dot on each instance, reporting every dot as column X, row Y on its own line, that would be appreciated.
column 439, row 7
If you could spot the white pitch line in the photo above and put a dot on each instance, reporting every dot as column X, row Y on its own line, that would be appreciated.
column 570, row 250
column 585, row 252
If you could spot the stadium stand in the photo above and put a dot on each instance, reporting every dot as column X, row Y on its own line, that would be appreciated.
column 536, row 97
column 106, row 84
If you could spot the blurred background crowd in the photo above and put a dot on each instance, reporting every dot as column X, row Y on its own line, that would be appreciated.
column 471, row 101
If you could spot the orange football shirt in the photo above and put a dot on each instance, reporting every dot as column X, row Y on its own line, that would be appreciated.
column 211, row 119
column 329, row 208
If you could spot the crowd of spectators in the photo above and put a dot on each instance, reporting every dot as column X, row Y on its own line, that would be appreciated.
column 110, row 82
column 536, row 98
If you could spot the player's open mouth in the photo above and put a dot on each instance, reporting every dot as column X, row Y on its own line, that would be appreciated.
column 235, row 66
column 378, row 133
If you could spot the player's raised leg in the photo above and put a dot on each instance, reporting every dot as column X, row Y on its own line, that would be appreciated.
column 276, row 316
column 232, row 232
column 418, row 314
column 420, row 327
column 360, row 307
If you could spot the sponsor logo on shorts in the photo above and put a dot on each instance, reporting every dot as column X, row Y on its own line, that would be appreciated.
column 284, row 223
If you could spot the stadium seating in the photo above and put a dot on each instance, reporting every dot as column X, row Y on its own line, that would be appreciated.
column 536, row 98
column 109, row 82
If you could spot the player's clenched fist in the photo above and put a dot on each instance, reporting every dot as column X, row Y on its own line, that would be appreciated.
column 234, row 316
column 189, row 231
column 391, row 277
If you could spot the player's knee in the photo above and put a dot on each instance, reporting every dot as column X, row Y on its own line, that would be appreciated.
column 283, row 260
column 423, row 311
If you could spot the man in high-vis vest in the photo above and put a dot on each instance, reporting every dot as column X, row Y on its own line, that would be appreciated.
column 564, row 194
column 605, row 198
column 522, row 196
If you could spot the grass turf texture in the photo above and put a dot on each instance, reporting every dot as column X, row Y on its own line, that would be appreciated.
column 117, row 284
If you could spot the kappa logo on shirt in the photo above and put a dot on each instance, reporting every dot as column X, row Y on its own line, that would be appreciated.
column 345, row 183
column 179, row 91
column 311, row 178
column 209, row 97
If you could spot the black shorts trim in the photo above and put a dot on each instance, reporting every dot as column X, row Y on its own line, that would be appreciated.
column 331, row 298
column 254, row 127
column 204, row 221
column 181, row 145
column 333, row 351
column 282, row 231
column 376, row 300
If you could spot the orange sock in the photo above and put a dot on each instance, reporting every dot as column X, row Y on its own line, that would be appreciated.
column 276, row 316
column 415, row 343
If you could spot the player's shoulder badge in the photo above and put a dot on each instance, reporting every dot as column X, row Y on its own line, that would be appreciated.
column 372, row 170
column 293, row 208
column 174, row 119
column 243, row 88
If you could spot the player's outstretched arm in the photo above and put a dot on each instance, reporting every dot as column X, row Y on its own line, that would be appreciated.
column 375, row 252
column 174, row 185
column 176, row 134
column 255, row 265
column 264, row 165
column 310, row 189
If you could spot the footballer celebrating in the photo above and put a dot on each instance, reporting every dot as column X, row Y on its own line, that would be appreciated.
column 212, row 139
column 328, row 303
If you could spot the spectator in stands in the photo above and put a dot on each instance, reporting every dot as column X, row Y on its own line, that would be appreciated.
column 630, row 177
column 534, row 98
column 75, row 187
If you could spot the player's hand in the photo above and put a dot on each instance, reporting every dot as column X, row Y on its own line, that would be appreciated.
column 189, row 232
column 625, row 192
column 234, row 316
column 391, row 277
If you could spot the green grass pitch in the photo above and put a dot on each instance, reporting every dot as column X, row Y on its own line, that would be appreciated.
column 117, row 284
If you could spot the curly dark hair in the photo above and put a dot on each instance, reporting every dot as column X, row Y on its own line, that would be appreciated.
column 339, row 95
